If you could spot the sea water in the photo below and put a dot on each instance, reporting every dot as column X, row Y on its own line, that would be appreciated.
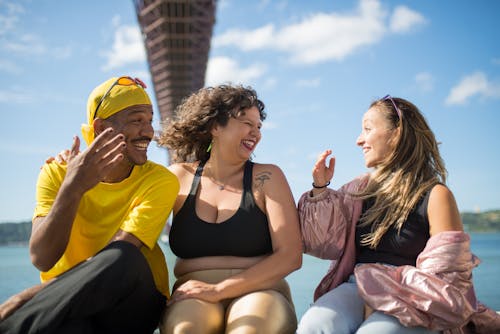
column 17, row 272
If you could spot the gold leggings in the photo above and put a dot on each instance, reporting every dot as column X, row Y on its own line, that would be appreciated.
column 266, row 311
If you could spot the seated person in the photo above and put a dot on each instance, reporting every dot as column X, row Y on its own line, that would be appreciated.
column 96, row 225
column 235, row 228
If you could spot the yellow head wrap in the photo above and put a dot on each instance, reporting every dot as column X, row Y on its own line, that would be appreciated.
column 119, row 98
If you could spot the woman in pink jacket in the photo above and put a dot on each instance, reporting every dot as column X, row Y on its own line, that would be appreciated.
column 401, row 262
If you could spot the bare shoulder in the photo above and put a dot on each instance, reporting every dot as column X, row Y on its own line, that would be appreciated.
column 270, row 168
column 185, row 174
column 442, row 197
column 272, row 191
column 268, row 177
column 182, row 169
column 443, row 211
column 267, row 172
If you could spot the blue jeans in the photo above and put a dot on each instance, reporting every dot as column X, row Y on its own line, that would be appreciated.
column 341, row 310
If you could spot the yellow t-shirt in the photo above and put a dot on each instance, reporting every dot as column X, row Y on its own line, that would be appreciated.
column 139, row 205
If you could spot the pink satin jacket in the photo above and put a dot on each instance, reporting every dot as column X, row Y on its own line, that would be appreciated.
column 437, row 294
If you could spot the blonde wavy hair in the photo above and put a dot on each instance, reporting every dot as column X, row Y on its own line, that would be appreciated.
column 400, row 181
column 188, row 135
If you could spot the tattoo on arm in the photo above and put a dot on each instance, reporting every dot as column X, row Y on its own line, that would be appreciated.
column 261, row 178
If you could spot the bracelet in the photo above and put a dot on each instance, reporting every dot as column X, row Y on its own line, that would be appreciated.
column 320, row 187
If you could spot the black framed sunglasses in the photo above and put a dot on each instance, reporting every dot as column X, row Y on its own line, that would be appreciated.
column 122, row 81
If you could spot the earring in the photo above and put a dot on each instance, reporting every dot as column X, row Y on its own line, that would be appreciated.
column 209, row 147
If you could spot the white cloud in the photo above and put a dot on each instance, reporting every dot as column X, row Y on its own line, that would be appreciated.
column 278, row 5
column 223, row 4
column 263, row 4
column 268, row 125
column 270, row 83
column 223, row 70
column 26, row 149
column 313, row 156
column 128, row 47
column 10, row 18
column 26, row 95
column 7, row 23
column 246, row 40
column 116, row 21
column 143, row 75
column 12, row 7
column 26, row 44
column 15, row 97
column 31, row 45
column 281, row 5
column 323, row 36
column 63, row 52
column 332, row 36
column 404, row 19
column 475, row 84
column 9, row 67
column 425, row 81
column 308, row 82
column 14, row 40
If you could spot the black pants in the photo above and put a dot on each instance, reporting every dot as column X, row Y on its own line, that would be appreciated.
column 114, row 292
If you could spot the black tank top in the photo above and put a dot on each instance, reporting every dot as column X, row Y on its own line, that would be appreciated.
column 397, row 248
column 245, row 234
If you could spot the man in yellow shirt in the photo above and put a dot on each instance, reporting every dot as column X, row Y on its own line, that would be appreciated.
column 96, row 224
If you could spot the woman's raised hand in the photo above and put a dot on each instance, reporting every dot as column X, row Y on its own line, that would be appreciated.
column 321, row 173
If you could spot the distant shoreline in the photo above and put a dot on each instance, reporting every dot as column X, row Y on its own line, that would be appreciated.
column 18, row 233
column 26, row 243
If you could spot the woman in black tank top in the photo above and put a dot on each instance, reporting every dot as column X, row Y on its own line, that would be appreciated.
column 382, row 222
column 235, row 227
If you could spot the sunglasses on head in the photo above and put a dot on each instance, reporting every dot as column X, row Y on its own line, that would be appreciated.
column 388, row 97
column 122, row 81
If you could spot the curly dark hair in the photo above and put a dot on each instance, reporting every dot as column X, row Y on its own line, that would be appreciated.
column 188, row 135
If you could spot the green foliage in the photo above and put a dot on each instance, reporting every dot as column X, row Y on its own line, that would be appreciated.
column 14, row 233
column 488, row 221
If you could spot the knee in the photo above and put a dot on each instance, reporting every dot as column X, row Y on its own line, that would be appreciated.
column 261, row 312
column 319, row 320
column 122, row 256
column 124, row 260
column 379, row 322
column 192, row 316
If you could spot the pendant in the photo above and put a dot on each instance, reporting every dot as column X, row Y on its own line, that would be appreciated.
column 221, row 187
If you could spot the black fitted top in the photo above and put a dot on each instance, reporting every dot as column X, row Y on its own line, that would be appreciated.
column 244, row 234
column 397, row 249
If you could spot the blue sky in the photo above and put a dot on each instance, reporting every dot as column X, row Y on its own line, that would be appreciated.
column 317, row 65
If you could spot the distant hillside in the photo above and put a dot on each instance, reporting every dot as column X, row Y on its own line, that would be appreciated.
column 488, row 221
column 15, row 233
column 485, row 222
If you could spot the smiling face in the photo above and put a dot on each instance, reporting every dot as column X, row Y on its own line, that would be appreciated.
column 240, row 136
column 377, row 138
column 135, row 123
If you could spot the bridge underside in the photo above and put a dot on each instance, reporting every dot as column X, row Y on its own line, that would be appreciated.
column 177, row 37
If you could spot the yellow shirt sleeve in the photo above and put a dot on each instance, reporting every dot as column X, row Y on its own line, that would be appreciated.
column 48, row 184
column 139, row 205
column 152, row 207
